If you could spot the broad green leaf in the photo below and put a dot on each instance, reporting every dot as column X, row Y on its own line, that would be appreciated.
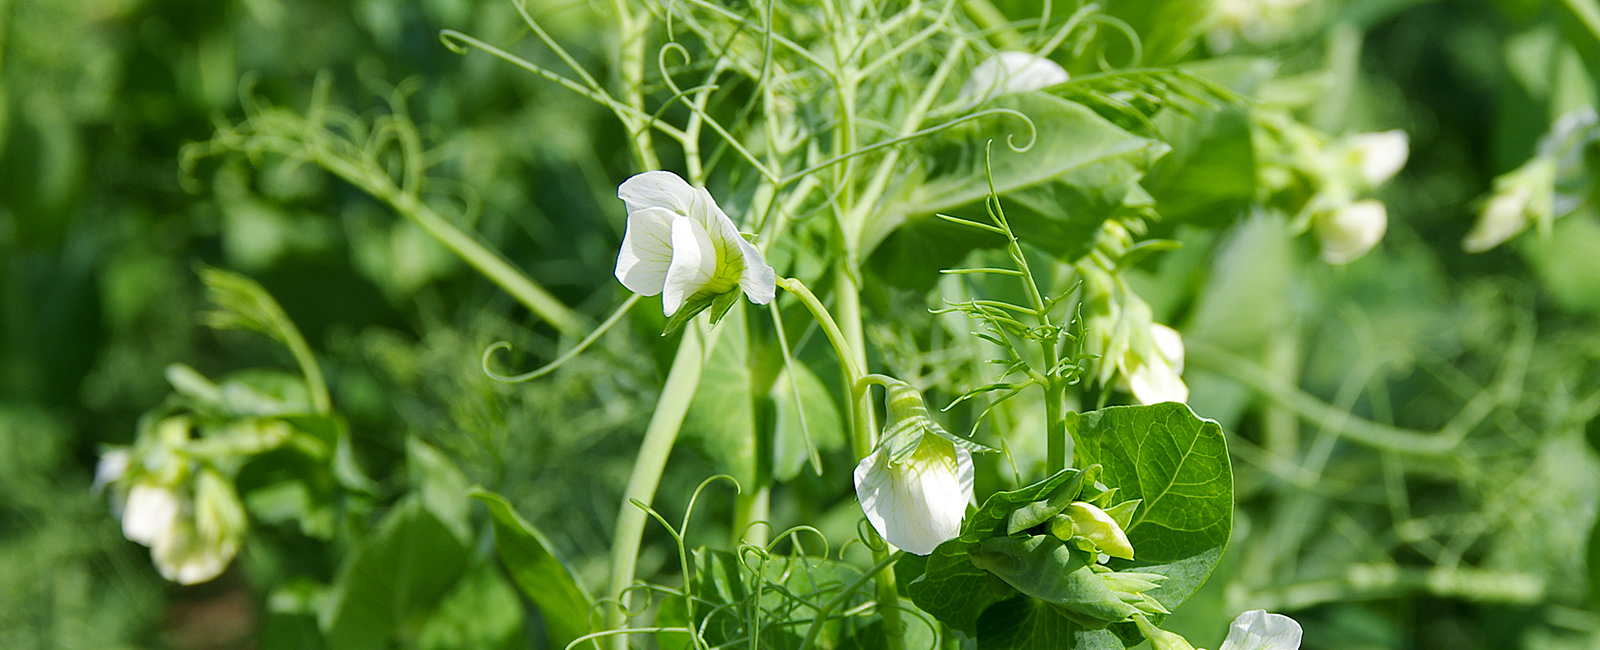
column 1078, row 172
column 951, row 587
column 822, row 424
column 394, row 578
column 1210, row 175
column 1030, row 624
column 482, row 613
column 1178, row 465
column 1052, row 571
column 541, row 575
column 721, row 421
column 442, row 487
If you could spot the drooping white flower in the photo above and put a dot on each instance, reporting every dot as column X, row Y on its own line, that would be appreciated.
column 1155, row 376
column 918, row 503
column 199, row 547
column 1259, row 630
column 1349, row 231
column 1012, row 72
column 681, row 245
column 1380, row 155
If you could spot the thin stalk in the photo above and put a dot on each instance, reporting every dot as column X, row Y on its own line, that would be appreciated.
column 308, row 366
column 821, row 617
column 631, row 66
column 476, row 255
column 659, row 437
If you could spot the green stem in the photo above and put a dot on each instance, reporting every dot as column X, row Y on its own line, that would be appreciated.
column 659, row 437
column 476, row 255
column 863, row 421
column 313, row 372
column 631, row 66
column 1055, row 425
column 750, row 507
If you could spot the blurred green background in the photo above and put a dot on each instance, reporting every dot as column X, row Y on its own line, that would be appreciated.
column 100, row 238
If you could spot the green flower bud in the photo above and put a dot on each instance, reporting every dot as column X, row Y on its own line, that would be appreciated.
column 1094, row 524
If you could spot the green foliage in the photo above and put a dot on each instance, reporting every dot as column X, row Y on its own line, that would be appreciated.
column 538, row 572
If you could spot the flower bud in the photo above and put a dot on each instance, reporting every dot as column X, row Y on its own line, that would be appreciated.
column 1521, row 197
column 1379, row 155
column 1349, row 231
column 1094, row 524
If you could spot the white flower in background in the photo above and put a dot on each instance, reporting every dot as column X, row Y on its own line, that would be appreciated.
column 1258, row 630
column 1012, row 72
column 1379, row 155
column 149, row 513
column 1257, row 21
column 681, row 245
column 1522, row 196
column 1155, row 375
column 199, row 548
column 918, row 503
column 1349, row 231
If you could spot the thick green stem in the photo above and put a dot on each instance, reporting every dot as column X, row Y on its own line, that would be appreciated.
column 659, row 437
column 750, row 507
column 1055, row 425
column 631, row 65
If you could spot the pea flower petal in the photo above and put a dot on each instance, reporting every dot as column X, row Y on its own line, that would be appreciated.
column 1259, row 630
column 916, row 504
column 1348, row 232
column 1156, row 375
column 1012, row 72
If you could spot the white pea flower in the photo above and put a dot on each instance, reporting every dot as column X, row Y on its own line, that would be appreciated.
column 915, row 486
column 1522, row 196
column 918, row 503
column 1259, row 630
column 1380, row 155
column 1012, row 72
column 199, row 547
column 1349, row 231
column 1155, row 376
column 681, row 245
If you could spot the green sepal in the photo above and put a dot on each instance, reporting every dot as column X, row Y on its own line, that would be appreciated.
column 718, row 303
column 1038, row 512
column 1122, row 513
column 908, row 421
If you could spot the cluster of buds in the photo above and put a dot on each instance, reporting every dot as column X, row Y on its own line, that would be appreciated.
column 1337, row 174
column 188, row 514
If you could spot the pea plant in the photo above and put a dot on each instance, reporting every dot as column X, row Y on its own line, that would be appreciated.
column 902, row 253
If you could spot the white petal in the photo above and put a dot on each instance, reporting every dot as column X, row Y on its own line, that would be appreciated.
column 759, row 281
column 1381, row 155
column 187, row 557
column 646, row 250
column 150, row 514
column 1258, row 630
column 1349, row 232
column 918, row 504
column 1503, row 217
column 1169, row 343
column 693, row 262
column 111, row 468
column 1154, row 381
column 658, row 189
column 1012, row 72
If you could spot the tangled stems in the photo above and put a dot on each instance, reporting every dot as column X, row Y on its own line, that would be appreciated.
column 861, row 439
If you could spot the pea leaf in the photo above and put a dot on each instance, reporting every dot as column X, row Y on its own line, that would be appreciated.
column 720, row 423
column 1178, row 465
column 812, row 423
column 393, row 579
column 536, row 570
column 1079, row 171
